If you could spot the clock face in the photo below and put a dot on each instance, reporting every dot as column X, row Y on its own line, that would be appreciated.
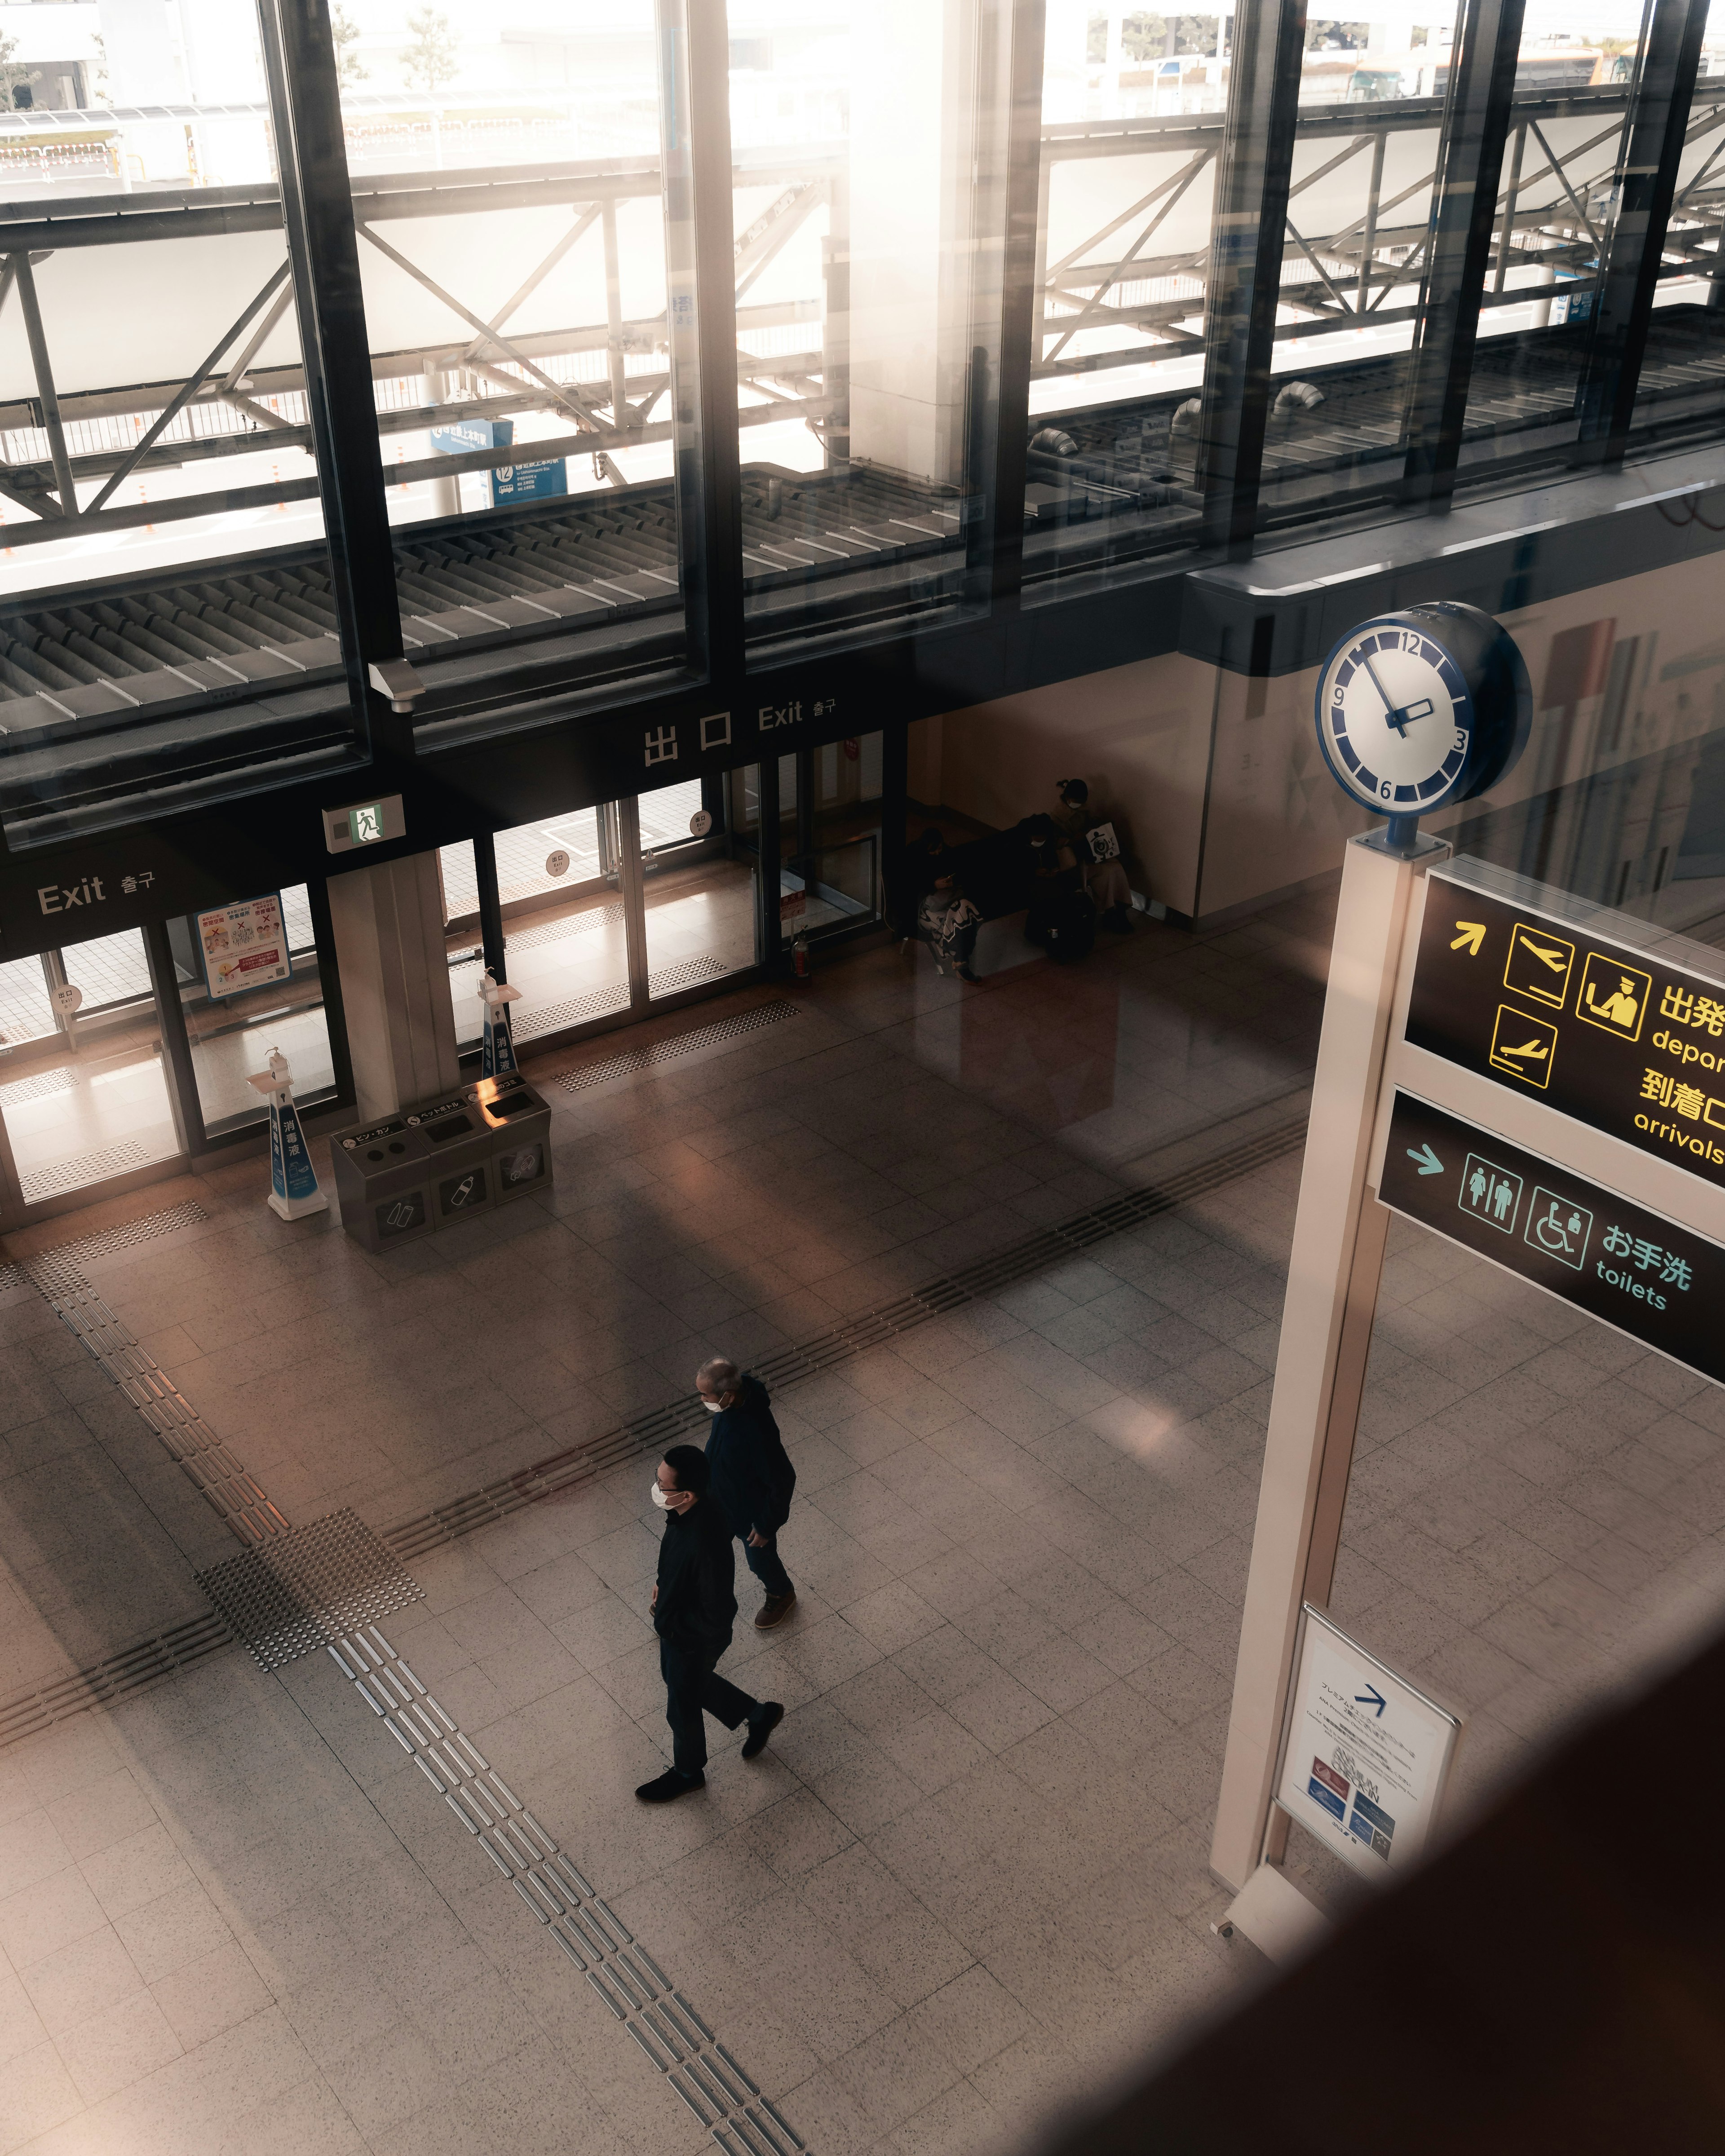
column 1394, row 717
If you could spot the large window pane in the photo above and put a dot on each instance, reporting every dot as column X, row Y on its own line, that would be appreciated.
column 1558, row 204
column 1683, row 375
column 1133, row 110
column 867, row 142
column 165, row 608
column 510, row 196
column 232, row 1036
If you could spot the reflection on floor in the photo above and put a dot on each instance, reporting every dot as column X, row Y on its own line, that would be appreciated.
column 969, row 1876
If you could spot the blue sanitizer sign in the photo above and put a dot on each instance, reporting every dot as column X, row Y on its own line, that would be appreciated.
column 293, row 1180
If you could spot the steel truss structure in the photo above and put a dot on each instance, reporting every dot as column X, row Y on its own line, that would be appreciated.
column 1493, row 197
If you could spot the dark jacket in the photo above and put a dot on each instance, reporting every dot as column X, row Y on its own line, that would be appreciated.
column 753, row 1477
column 697, row 1601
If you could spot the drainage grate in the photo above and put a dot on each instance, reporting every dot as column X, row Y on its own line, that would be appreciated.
column 807, row 1358
column 677, row 1043
column 635, row 1989
column 306, row 1588
column 38, row 1707
column 87, row 1168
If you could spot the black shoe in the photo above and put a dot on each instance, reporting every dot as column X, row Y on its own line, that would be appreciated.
column 669, row 1785
column 1119, row 919
column 760, row 1728
column 965, row 974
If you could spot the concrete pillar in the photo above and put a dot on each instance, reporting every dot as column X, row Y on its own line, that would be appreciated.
column 389, row 920
column 913, row 269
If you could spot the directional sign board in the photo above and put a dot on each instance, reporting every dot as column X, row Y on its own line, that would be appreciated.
column 1613, row 1034
column 1660, row 1283
column 1365, row 1755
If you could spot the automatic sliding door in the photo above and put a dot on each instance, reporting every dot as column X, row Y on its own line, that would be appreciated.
column 86, row 1099
column 699, row 895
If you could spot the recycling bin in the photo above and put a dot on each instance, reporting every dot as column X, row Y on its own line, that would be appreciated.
column 383, row 1173
column 460, row 1142
column 519, row 1121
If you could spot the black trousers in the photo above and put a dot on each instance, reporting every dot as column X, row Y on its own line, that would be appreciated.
column 692, row 1687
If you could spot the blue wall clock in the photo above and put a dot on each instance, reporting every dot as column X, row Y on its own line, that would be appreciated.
column 1420, row 708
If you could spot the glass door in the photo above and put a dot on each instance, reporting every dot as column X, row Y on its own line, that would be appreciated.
column 84, row 1093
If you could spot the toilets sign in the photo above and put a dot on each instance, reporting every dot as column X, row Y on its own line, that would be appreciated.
column 1655, row 1280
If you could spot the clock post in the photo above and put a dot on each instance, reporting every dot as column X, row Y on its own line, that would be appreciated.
column 1414, row 710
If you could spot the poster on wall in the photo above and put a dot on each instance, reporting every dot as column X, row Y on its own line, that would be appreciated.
column 1366, row 1755
column 244, row 946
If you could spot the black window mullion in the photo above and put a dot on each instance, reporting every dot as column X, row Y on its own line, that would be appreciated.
column 329, row 978
column 1247, row 245
column 1003, row 474
column 700, row 245
column 1629, row 276
column 1464, row 219
column 490, row 906
column 317, row 218
column 176, row 1043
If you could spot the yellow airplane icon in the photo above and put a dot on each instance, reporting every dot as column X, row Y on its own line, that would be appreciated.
column 1532, row 1050
column 1557, row 960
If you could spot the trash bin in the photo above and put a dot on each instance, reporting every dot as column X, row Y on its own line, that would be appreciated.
column 519, row 1122
column 464, row 1177
column 383, row 1179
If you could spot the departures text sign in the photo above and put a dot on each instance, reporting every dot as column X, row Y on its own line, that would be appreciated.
column 1660, row 1283
column 1615, row 1037
column 1366, row 1755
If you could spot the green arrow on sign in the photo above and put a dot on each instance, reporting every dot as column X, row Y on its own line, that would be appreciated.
column 1426, row 1160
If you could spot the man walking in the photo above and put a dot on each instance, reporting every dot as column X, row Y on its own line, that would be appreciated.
column 753, row 1477
column 693, row 1606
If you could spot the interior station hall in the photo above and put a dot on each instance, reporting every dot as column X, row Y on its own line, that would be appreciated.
column 862, row 999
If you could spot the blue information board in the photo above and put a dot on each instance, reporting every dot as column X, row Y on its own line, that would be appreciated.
column 536, row 479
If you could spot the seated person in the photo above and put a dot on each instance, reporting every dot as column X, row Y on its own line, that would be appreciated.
column 946, row 919
column 1053, row 870
column 1104, row 880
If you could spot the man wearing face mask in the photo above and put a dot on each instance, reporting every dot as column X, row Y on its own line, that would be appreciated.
column 693, row 1607
column 753, row 1477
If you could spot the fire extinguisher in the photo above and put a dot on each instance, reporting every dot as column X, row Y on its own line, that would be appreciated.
column 799, row 955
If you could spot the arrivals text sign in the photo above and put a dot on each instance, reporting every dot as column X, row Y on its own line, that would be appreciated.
column 1615, row 1037
column 1660, row 1283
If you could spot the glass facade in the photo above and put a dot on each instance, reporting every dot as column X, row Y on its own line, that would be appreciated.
column 868, row 144
column 381, row 335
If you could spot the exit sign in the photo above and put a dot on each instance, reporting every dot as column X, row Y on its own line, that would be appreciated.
column 363, row 824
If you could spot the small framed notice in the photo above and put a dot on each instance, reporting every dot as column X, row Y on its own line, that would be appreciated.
column 244, row 946
column 1365, row 1756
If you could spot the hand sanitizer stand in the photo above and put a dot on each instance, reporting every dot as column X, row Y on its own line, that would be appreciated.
column 293, row 1181
column 497, row 1052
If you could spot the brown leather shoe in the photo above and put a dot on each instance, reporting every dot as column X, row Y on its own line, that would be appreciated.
column 774, row 1610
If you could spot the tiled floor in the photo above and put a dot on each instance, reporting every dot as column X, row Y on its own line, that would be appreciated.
column 969, row 1877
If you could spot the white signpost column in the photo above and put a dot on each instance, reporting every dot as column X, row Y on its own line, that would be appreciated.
column 1327, row 1322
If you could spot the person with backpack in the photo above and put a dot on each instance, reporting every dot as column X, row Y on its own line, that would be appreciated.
column 1104, row 878
column 751, row 1477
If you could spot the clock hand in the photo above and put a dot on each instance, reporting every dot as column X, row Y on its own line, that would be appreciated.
column 1392, row 717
